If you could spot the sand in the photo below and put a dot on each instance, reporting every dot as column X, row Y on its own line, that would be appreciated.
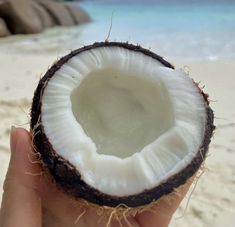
column 213, row 201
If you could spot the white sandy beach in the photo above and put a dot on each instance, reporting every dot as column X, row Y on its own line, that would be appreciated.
column 213, row 201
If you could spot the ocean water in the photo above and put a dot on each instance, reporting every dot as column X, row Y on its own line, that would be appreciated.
column 188, row 29
column 185, row 29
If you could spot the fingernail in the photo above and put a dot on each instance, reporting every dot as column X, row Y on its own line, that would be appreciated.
column 13, row 139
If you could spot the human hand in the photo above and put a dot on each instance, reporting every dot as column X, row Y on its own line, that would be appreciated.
column 30, row 199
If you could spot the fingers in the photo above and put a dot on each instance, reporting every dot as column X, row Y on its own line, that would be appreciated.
column 161, row 213
column 60, row 210
column 21, row 204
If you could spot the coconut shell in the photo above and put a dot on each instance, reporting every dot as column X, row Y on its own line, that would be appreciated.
column 68, row 178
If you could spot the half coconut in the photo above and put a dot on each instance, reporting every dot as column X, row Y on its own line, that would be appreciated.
column 117, row 124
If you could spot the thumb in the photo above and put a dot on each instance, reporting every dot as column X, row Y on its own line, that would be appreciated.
column 21, row 204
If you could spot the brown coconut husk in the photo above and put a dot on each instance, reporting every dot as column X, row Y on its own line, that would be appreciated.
column 69, row 179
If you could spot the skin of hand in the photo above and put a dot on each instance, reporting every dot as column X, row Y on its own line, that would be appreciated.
column 31, row 199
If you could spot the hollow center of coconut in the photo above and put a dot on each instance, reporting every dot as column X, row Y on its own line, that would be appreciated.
column 120, row 112
column 124, row 120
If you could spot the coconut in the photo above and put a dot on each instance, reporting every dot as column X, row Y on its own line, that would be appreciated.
column 116, row 124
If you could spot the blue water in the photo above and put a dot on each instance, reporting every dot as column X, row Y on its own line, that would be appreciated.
column 185, row 29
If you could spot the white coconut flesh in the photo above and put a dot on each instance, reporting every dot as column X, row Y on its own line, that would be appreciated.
column 125, row 121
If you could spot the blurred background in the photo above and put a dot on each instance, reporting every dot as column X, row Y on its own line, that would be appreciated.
column 198, row 36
